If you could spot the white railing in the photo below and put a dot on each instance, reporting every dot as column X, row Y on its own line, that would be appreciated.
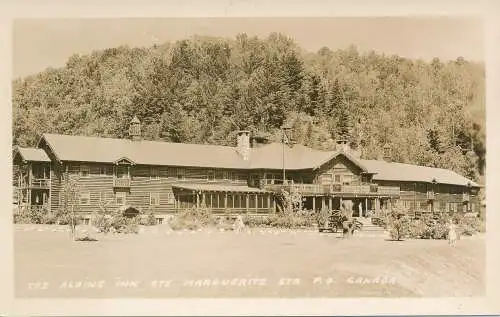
column 121, row 182
column 315, row 189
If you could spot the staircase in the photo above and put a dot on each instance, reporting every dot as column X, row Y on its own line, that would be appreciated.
column 369, row 229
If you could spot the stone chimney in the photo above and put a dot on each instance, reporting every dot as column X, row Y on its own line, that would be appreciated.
column 134, row 131
column 343, row 145
column 387, row 153
column 243, row 144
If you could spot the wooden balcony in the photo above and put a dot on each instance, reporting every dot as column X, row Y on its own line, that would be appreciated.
column 121, row 182
column 340, row 190
column 465, row 197
column 37, row 183
column 431, row 195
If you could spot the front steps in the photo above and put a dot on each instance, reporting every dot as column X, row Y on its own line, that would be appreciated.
column 370, row 229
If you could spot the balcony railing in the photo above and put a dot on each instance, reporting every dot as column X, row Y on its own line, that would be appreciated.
column 318, row 189
column 431, row 195
column 40, row 183
column 121, row 182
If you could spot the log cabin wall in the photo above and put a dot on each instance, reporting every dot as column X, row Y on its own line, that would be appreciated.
column 150, row 186
column 446, row 198
column 56, row 168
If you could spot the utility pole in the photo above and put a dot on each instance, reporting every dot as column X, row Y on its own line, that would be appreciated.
column 285, row 140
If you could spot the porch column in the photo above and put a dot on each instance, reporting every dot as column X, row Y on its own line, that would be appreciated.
column 268, row 201
column 225, row 200
column 366, row 207
column 340, row 202
column 314, row 203
column 197, row 199
column 323, row 202
column 331, row 203
column 256, row 201
column 204, row 200
column 247, row 201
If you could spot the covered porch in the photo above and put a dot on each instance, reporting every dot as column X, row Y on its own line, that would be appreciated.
column 223, row 198
column 362, row 206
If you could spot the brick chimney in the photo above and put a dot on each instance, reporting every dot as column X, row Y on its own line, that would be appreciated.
column 243, row 144
column 134, row 131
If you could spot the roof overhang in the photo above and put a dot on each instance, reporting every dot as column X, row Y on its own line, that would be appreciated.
column 38, row 144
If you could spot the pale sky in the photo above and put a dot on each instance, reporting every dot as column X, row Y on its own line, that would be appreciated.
column 38, row 44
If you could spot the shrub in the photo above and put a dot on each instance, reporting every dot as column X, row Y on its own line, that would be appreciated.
column 257, row 221
column 49, row 219
column 440, row 231
column 417, row 229
column 193, row 219
column 398, row 223
column 103, row 223
column 85, row 238
column 150, row 219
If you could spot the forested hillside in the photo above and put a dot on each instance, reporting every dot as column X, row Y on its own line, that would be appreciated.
column 203, row 90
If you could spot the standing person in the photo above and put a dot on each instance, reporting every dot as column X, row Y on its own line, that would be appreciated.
column 452, row 233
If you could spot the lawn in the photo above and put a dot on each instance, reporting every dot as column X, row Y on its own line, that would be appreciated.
column 253, row 263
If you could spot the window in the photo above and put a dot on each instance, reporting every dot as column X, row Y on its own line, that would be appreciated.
column 159, row 221
column 121, row 198
column 451, row 207
column 84, row 198
column 181, row 173
column 260, row 201
column 154, row 199
column 154, row 173
column 102, row 197
column 407, row 187
column 337, row 178
column 347, row 179
column 210, row 175
column 442, row 206
column 326, row 178
column 170, row 198
column 220, row 174
column 86, row 221
column 105, row 170
column 84, row 171
column 227, row 175
column 252, row 201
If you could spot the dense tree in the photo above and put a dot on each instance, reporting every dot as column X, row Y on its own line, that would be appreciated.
column 203, row 89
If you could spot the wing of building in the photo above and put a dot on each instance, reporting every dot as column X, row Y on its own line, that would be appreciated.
column 167, row 177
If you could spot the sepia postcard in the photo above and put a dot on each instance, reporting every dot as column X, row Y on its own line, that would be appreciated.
column 250, row 158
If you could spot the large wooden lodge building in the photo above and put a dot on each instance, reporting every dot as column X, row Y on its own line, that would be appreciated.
column 167, row 177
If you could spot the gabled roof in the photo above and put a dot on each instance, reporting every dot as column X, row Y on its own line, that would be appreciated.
column 348, row 156
column 270, row 156
column 414, row 173
column 32, row 154
column 109, row 150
